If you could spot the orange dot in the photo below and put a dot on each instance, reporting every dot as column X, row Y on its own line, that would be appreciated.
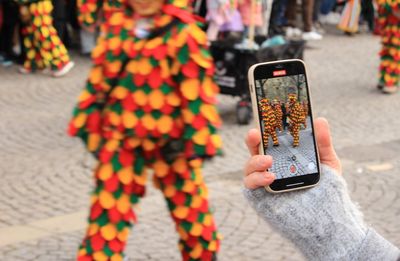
column 125, row 175
column 106, row 199
column 108, row 232
column 160, row 168
column 190, row 88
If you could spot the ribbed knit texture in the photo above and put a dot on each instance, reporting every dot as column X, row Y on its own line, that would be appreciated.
column 322, row 221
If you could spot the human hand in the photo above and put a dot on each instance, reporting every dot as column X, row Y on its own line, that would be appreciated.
column 322, row 221
column 255, row 169
column 25, row 15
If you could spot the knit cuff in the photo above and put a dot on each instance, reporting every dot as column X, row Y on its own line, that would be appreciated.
column 375, row 247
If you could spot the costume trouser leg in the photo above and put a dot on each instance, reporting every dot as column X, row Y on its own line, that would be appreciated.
column 274, row 136
column 390, row 57
column 33, row 59
column 295, row 131
column 41, row 39
column 265, row 135
column 187, row 198
column 120, row 183
column 279, row 124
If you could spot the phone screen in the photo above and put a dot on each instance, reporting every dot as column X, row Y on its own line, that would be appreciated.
column 286, row 121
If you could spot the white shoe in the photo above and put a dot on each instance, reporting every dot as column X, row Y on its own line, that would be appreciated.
column 390, row 89
column 293, row 32
column 23, row 70
column 333, row 18
column 323, row 19
column 311, row 36
column 289, row 32
column 63, row 71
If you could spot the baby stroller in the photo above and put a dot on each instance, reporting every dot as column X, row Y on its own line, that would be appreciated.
column 232, row 63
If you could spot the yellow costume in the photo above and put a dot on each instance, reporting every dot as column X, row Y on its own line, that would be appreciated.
column 269, row 121
column 296, row 118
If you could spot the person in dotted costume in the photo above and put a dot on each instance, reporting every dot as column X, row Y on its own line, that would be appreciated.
column 305, row 109
column 90, row 10
column 278, row 115
column 296, row 118
column 389, row 21
column 149, row 103
column 270, row 122
column 44, row 48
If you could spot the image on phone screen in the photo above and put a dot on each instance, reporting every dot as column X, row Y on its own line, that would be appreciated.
column 286, row 125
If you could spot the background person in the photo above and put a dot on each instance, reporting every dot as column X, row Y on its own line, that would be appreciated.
column 44, row 49
column 389, row 22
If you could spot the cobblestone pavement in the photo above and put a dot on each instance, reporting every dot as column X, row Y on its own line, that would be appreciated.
column 286, row 156
column 46, row 176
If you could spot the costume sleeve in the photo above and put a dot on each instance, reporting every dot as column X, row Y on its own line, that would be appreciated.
column 88, row 11
column 107, row 60
column 195, row 69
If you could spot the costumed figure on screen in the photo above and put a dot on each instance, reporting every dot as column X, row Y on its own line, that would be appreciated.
column 278, row 115
column 296, row 118
column 269, row 120
column 305, row 109
column 149, row 103
column 44, row 49
column 389, row 21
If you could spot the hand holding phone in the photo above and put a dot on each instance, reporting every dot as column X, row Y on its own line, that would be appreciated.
column 255, row 170
column 282, row 110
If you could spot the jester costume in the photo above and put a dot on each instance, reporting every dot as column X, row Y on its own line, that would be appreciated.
column 305, row 110
column 278, row 115
column 44, row 48
column 149, row 103
column 270, row 122
column 390, row 52
column 89, row 10
column 296, row 118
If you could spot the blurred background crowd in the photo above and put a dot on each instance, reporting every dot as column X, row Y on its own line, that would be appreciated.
column 304, row 19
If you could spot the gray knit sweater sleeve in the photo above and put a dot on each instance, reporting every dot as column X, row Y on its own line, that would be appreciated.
column 322, row 221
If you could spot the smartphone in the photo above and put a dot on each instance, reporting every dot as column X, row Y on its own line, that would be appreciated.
column 282, row 110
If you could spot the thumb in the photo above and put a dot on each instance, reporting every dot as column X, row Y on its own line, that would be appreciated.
column 327, row 153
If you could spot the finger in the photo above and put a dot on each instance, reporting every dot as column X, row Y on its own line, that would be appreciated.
column 326, row 150
column 258, row 163
column 253, row 140
column 259, row 179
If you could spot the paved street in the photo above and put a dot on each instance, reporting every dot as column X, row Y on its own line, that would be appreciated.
column 46, row 176
column 302, row 158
